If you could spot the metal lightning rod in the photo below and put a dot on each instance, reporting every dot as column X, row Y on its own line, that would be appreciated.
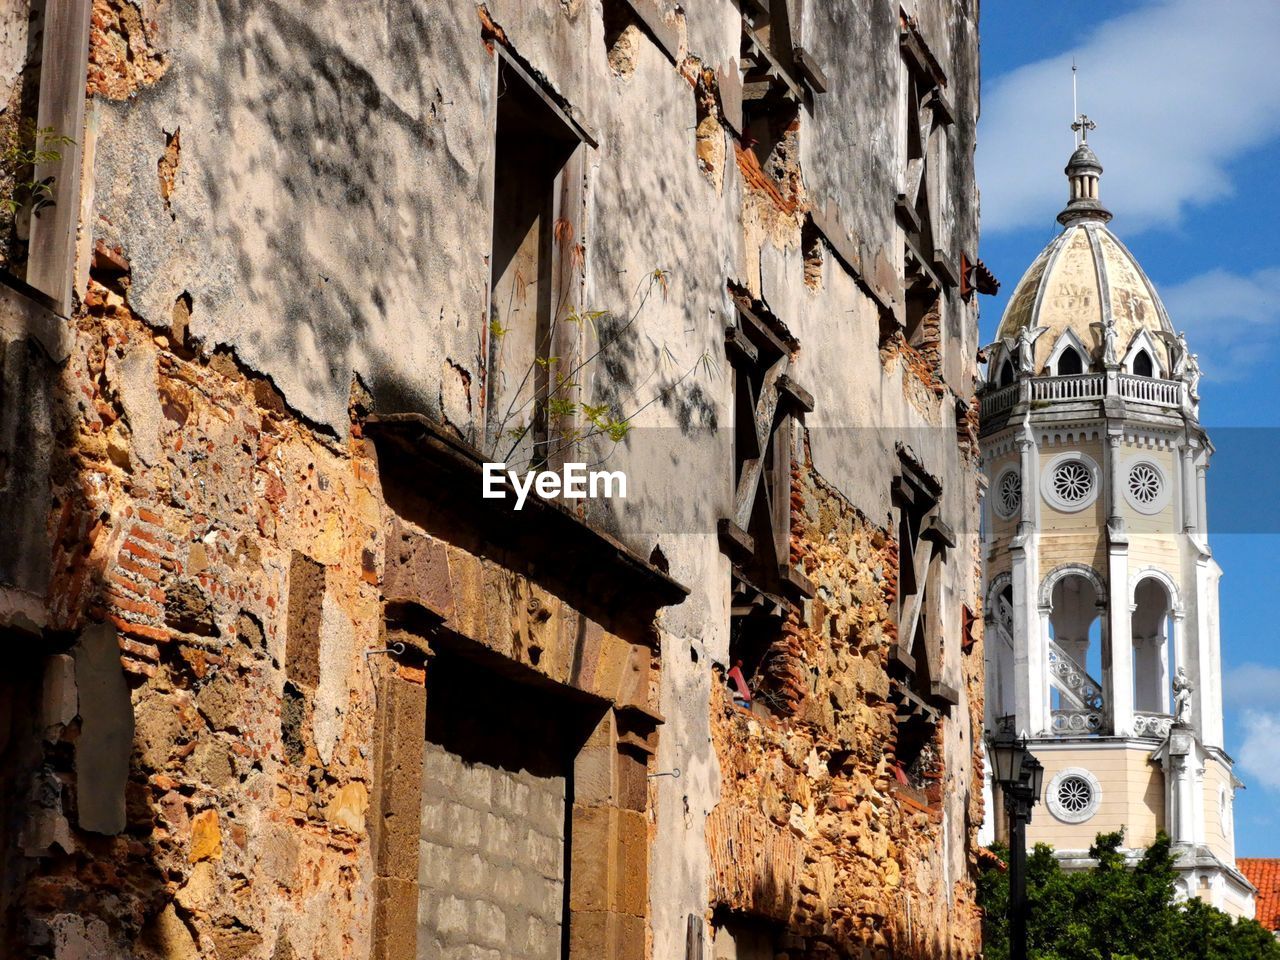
column 1075, row 108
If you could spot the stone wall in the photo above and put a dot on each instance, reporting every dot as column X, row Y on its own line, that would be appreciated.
column 188, row 796
column 819, row 828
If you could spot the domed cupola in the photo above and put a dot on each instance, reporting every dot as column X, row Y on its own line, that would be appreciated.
column 1085, row 304
column 1083, row 172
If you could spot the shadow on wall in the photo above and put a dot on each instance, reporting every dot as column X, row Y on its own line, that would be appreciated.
column 305, row 207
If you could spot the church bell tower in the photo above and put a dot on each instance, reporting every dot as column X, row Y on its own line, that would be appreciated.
column 1102, row 628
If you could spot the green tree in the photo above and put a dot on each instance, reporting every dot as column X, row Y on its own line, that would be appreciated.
column 1114, row 911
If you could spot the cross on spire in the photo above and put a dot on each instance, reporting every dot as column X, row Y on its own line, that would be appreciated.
column 1082, row 126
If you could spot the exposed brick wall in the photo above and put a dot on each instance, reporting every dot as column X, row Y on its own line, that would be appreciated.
column 814, row 829
column 192, row 536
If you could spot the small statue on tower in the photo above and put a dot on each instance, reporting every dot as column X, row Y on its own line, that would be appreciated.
column 1109, row 342
column 1182, row 689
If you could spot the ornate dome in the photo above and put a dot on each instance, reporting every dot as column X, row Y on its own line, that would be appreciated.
column 1084, row 279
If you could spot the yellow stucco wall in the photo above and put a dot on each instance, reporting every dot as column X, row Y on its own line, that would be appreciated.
column 1132, row 795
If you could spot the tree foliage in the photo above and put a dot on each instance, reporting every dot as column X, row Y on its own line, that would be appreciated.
column 1115, row 912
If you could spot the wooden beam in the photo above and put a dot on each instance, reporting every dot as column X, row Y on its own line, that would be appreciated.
column 51, row 257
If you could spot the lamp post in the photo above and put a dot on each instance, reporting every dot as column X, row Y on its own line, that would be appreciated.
column 1020, row 776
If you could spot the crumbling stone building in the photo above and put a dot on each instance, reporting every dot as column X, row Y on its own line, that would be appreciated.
column 282, row 682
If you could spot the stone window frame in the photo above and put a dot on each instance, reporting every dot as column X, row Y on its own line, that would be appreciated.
column 1050, row 494
column 606, row 852
column 1163, row 495
column 64, row 69
column 1012, row 470
column 1053, row 801
column 757, row 350
column 929, row 268
column 764, row 581
column 917, row 660
column 569, row 193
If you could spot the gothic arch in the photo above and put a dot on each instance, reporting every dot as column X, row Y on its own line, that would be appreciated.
column 1071, row 570
column 1000, row 355
column 1069, row 339
column 1143, row 341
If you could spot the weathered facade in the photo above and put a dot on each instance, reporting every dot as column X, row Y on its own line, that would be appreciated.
column 284, row 684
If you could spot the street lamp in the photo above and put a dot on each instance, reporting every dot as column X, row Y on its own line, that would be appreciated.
column 1020, row 776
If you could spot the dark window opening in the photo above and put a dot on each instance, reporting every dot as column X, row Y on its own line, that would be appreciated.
column 531, row 265
column 1006, row 374
column 778, row 78
column 24, row 767
column 745, row 937
column 1142, row 364
column 1070, row 362
column 757, row 536
column 923, row 317
column 918, row 691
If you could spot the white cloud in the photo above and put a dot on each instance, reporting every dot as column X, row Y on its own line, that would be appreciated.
column 1179, row 88
column 1230, row 318
column 1252, row 686
column 1260, row 751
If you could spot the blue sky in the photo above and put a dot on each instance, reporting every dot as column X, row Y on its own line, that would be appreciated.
column 1187, row 103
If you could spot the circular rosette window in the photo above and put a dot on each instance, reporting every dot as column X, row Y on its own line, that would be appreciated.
column 1008, row 493
column 1070, row 482
column 1145, row 487
column 1073, row 795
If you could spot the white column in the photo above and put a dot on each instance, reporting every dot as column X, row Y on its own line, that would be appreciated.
column 1205, row 668
column 1190, row 489
column 1119, row 631
column 1202, row 499
column 1120, row 639
column 1164, row 675
column 1111, row 468
column 1180, row 758
column 1195, row 762
column 1030, row 687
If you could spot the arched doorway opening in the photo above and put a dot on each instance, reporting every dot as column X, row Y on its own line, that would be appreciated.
column 1154, row 656
column 1077, row 667
column 1000, row 687
column 1070, row 362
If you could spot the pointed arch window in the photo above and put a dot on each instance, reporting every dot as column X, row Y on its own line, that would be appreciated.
column 1142, row 364
column 1006, row 374
column 1070, row 362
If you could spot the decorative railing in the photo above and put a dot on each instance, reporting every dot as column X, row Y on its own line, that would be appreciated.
column 1068, row 723
column 1072, row 681
column 1154, row 726
column 999, row 401
column 1083, row 386
column 1165, row 393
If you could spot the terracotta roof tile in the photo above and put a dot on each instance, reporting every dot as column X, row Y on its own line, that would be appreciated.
column 1265, row 875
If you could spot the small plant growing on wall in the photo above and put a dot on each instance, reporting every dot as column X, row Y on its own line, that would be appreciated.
column 539, row 426
column 23, row 148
